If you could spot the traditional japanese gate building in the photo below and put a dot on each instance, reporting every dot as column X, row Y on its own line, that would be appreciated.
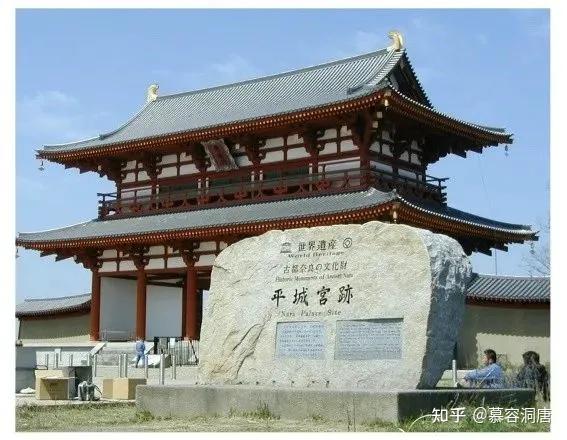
column 344, row 142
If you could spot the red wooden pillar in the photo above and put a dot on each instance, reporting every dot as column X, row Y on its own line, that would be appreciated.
column 95, row 305
column 141, row 303
column 191, row 303
column 183, row 305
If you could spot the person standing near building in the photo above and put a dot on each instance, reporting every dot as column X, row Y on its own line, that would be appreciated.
column 491, row 376
column 140, row 351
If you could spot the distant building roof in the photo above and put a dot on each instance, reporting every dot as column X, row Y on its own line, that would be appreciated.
column 258, row 212
column 326, row 84
column 509, row 288
column 53, row 306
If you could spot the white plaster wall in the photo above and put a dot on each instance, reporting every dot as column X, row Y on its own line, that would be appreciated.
column 381, row 166
column 242, row 161
column 169, row 158
column 127, row 265
column 130, row 177
column 117, row 304
column 296, row 153
column 375, row 147
column 274, row 142
column 163, row 311
column 207, row 246
column 130, row 165
column 347, row 145
column 155, row 250
column 274, row 156
column 109, row 253
column 330, row 133
column 345, row 131
column 108, row 266
column 206, row 260
column 337, row 166
column 155, row 263
column 293, row 139
column 168, row 172
column 329, row 148
column 175, row 262
column 188, row 169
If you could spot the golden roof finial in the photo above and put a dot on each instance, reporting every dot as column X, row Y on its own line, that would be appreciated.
column 397, row 40
column 152, row 92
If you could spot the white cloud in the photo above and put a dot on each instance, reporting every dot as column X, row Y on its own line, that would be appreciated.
column 427, row 27
column 52, row 114
column 235, row 68
column 369, row 41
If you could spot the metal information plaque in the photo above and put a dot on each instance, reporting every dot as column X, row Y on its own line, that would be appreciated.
column 303, row 339
column 368, row 339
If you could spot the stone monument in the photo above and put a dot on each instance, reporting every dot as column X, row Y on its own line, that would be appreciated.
column 373, row 306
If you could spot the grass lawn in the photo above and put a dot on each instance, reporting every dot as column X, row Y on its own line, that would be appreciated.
column 124, row 417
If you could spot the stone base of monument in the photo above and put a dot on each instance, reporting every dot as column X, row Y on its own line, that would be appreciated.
column 361, row 406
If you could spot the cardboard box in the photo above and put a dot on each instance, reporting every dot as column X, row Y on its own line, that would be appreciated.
column 107, row 388
column 54, row 388
column 124, row 388
column 49, row 373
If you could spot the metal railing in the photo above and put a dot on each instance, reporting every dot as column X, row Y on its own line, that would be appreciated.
column 139, row 201
column 182, row 352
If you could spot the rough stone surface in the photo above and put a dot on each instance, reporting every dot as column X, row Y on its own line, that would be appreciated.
column 358, row 406
column 402, row 296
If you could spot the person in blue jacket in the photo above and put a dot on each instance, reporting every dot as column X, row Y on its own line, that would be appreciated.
column 491, row 376
column 140, row 350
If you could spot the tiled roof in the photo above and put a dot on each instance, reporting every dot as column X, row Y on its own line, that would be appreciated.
column 292, row 91
column 52, row 306
column 298, row 90
column 509, row 288
column 455, row 214
column 251, row 213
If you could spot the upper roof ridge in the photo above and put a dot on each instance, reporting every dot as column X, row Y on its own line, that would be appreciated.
column 55, row 298
column 279, row 74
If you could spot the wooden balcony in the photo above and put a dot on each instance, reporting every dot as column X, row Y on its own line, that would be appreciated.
column 141, row 201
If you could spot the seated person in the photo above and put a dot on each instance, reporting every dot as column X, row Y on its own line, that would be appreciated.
column 491, row 376
column 533, row 375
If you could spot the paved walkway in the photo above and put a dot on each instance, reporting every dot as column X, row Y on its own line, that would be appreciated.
column 29, row 399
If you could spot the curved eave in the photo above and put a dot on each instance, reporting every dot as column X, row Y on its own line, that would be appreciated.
column 62, row 311
column 407, row 213
column 415, row 110
column 217, row 131
column 501, row 302
column 411, row 211
column 374, row 98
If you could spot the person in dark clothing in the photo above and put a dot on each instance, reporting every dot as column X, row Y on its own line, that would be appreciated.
column 533, row 375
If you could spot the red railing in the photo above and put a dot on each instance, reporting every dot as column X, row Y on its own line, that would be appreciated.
column 140, row 201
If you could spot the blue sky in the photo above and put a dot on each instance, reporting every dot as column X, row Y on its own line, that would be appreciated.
column 83, row 72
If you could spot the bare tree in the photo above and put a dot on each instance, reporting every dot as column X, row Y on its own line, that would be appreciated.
column 537, row 262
